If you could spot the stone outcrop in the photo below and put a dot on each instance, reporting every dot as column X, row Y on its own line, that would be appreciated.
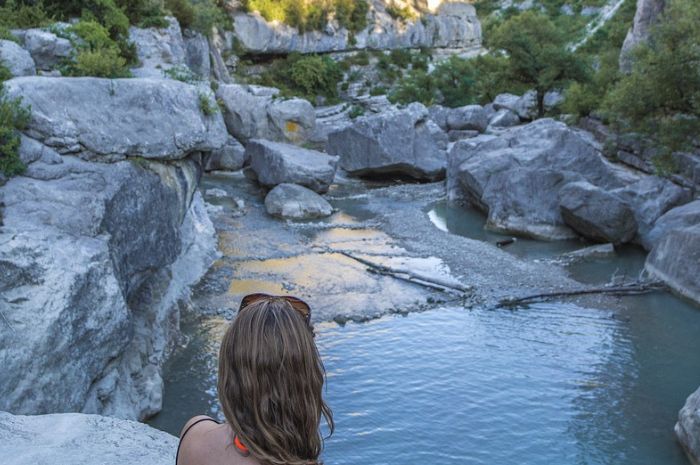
column 197, row 56
column 675, row 259
column 95, row 258
column 137, row 117
column 16, row 59
column 470, row 117
column 253, row 112
column 648, row 12
column 79, row 439
column 276, row 163
column 405, row 142
column 678, row 218
column 452, row 25
column 158, row 49
column 296, row 202
column 230, row 157
column 46, row 48
column 688, row 427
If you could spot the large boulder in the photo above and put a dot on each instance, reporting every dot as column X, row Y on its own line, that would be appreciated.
column 197, row 55
column 675, row 259
column 596, row 214
column 158, row 49
column 688, row 427
column 230, row 157
column 16, row 59
column 647, row 14
column 46, row 48
column 504, row 119
column 470, row 117
column 516, row 177
column 450, row 25
column 276, row 163
column 113, row 118
column 405, row 142
column 79, row 439
column 253, row 112
column 678, row 218
column 296, row 202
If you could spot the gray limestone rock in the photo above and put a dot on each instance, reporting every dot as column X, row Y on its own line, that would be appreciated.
column 158, row 49
column 470, row 117
column 677, row 218
column 16, row 59
column 197, row 54
column 688, row 427
column 46, row 48
column 675, row 259
column 504, row 119
column 230, row 157
column 648, row 12
column 296, row 202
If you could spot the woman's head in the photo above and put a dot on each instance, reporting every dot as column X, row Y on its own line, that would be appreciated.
column 270, row 383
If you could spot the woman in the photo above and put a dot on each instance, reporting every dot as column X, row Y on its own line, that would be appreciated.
column 270, row 382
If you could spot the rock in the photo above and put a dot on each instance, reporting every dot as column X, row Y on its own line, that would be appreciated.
column 648, row 12
column 197, row 54
column 591, row 252
column 216, row 193
column 504, row 119
column 455, row 135
column 404, row 142
column 230, row 157
column 46, row 48
column 675, row 259
column 277, row 163
column 112, row 118
column 31, row 151
column 678, row 218
column 439, row 115
column 596, row 214
column 506, row 102
column 296, row 202
column 552, row 99
column 158, row 49
column 651, row 197
column 16, row 59
column 253, row 112
column 516, row 177
column 81, row 439
column 452, row 25
column 590, row 11
column 94, row 259
column 688, row 427
column 472, row 117
column 526, row 106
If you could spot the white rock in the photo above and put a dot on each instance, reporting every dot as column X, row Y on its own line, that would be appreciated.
column 16, row 59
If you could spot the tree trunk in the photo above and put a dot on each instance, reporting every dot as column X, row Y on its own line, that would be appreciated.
column 540, row 103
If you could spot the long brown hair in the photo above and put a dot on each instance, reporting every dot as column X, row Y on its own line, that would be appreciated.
column 270, row 384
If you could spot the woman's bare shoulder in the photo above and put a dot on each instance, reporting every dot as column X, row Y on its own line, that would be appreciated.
column 199, row 419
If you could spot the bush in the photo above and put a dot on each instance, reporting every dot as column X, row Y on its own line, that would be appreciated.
column 20, row 15
column 183, row 74
column 404, row 13
column 104, row 62
column 305, row 76
column 97, row 53
column 13, row 117
column 313, row 14
column 206, row 106
column 183, row 11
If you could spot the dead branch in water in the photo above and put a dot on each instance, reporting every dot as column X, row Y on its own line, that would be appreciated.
column 634, row 288
column 410, row 276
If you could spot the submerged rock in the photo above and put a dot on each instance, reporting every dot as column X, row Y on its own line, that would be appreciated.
column 296, row 202
column 81, row 439
column 688, row 427
column 276, row 163
column 254, row 112
column 404, row 142
column 596, row 214
column 675, row 259
column 112, row 118
column 16, row 59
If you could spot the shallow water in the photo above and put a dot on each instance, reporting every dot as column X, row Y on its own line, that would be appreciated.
column 552, row 383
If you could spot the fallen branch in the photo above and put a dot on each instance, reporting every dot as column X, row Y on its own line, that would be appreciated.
column 410, row 276
column 625, row 289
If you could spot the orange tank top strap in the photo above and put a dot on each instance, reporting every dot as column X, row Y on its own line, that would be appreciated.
column 243, row 450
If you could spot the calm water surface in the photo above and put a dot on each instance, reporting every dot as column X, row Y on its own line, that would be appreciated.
column 552, row 383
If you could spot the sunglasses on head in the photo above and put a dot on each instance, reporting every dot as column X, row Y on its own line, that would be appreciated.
column 296, row 303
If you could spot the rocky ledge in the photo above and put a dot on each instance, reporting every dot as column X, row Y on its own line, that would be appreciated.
column 100, row 240
column 79, row 439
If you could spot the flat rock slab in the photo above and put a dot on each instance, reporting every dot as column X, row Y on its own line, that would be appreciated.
column 80, row 439
column 276, row 163
column 114, row 118
column 296, row 202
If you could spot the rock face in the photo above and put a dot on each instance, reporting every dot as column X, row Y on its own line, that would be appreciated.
column 158, row 49
column 253, row 112
column 404, row 142
column 688, row 427
column 296, row 202
column 81, row 439
column 197, row 54
column 596, row 214
column 16, row 59
column 96, row 257
column 678, row 218
column 470, row 117
column 648, row 12
column 136, row 117
column 230, row 157
column 276, row 163
column 675, row 259
column 504, row 119
column 46, row 48
column 453, row 25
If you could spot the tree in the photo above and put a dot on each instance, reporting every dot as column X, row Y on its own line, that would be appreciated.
column 537, row 53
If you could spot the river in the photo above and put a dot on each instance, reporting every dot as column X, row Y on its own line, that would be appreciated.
column 419, row 379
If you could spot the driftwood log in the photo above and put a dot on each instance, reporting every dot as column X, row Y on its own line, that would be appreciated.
column 635, row 288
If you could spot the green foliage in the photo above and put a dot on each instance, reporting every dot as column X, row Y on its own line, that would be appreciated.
column 15, row 14
column 613, row 33
column 661, row 96
column 312, row 15
column 200, row 15
column 304, row 75
column 417, row 86
column 13, row 117
column 93, row 35
column 404, row 13
column 356, row 111
column 5, row 34
column 5, row 73
column 97, row 53
column 584, row 98
column 537, row 55
column 400, row 57
column 182, row 73
column 183, row 10
column 100, row 63
column 206, row 106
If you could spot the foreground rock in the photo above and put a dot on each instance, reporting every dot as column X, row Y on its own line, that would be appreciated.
column 96, row 258
column 452, row 25
column 404, row 142
column 296, row 202
column 16, row 59
column 688, row 427
column 276, row 163
column 675, row 259
column 137, row 117
column 78, row 439
column 253, row 112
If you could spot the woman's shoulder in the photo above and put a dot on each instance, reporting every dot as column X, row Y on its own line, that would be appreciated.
column 197, row 420
column 201, row 441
